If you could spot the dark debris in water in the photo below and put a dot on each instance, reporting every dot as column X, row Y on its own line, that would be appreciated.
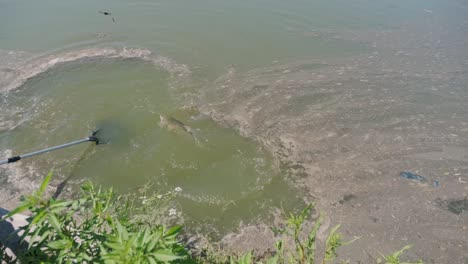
column 412, row 176
column 347, row 198
column 422, row 179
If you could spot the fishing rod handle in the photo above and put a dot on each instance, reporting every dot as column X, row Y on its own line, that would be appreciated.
column 16, row 158
column 9, row 160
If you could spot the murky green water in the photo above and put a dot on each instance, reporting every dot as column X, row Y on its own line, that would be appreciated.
column 225, row 178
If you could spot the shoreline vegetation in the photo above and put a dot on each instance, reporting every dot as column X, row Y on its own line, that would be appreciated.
column 99, row 226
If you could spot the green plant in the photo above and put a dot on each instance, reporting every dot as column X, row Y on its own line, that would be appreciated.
column 395, row 257
column 97, row 227
column 102, row 227
column 245, row 259
column 334, row 241
column 304, row 248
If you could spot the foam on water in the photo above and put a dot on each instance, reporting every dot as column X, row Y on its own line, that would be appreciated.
column 16, row 69
column 207, row 199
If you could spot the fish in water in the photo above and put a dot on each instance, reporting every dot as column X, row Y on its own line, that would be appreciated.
column 178, row 127
column 174, row 125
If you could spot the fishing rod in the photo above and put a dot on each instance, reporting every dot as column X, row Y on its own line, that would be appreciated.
column 94, row 138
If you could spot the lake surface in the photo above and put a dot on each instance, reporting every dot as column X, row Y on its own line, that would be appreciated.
column 66, row 69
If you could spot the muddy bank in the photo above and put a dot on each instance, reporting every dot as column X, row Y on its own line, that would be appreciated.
column 349, row 126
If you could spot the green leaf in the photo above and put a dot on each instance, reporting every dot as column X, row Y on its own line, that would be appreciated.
column 166, row 255
column 246, row 258
column 54, row 222
column 114, row 245
column 60, row 244
column 332, row 232
column 144, row 237
column 43, row 237
column 103, row 249
column 152, row 243
column 173, row 231
column 38, row 218
column 279, row 245
column 351, row 241
column 17, row 210
column 333, row 242
column 400, row 252
column 316, row 227
column 45, row 183
column 395, row 257
column 61, row 204
column 122, row 231
column 306, row 211
column 311, row 239
column 33, row 236
column 151, row 260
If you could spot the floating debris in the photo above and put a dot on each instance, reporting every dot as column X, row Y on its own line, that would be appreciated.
column 412, row 176
column 107, row 14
